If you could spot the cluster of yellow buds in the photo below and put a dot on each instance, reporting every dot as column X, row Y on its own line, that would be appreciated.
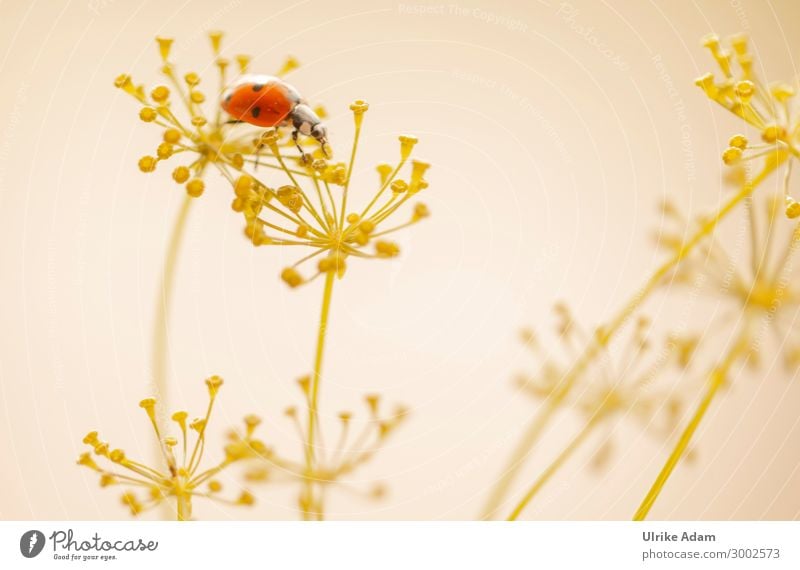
column 357, row 442
column 759, row 289
column 766, row 108
column 611, row 388
column 180, row 477
column 205, row 134
column 317, row 215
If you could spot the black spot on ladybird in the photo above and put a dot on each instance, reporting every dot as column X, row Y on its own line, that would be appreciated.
column 258, row 87
column 256, row 111
column 228, row 98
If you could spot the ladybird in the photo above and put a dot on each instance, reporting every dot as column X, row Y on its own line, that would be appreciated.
column 267, row 101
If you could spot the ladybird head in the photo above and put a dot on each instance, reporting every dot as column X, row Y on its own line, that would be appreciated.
column 320, row 132
column 306, row 121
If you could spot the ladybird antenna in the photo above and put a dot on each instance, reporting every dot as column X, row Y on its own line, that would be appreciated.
column 295, row 133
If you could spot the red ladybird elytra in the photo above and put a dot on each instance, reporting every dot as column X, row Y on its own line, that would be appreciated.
column 267, row 101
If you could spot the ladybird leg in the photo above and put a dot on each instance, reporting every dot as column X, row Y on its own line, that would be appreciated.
column 295, row 133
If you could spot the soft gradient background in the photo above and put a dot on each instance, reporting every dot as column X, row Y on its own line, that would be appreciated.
column 553, row 134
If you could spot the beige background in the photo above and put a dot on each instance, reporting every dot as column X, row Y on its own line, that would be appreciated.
column 549, row 157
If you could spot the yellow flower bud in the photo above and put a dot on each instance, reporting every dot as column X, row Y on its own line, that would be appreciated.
column 180, row 174
column 732, row 155
column 243, row 185
column 148, row 114
column 164, row 151
column 214, row 383
column 172, row 136
column 792, row 208
column 738, row 141
column 122, row 81
column 160, row 94
column 147, row 163
column 406, row 146
column 195, row 187
column 291, row 277
column 387, row 248
column 290, row 197
column 164, row 46
column 773, row 133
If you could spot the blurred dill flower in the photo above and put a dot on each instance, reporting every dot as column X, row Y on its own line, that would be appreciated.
column 353, row 448
column 767, row 108
column 758, row 284
column 761, row 290
column 614, row 387
column 180, row 476
column 759, row 281
column 317, row 216
column 618, row 386
column 205, row 136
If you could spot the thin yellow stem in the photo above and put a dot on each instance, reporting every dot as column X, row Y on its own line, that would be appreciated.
column 208, row 474
column 356, row 136
column 184, row 504
column 594, row 348
column 559, row 461
column 199, row 445
column 160, row 347
column 160, row 337
column 652, row 283
column 313, row 403
column 384, row 186
column 517, row 460
column 716, row 380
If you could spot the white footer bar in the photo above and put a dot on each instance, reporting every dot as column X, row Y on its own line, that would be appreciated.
column 400, row 545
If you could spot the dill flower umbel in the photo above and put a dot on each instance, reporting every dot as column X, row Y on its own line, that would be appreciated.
column 763, row 303
column 204, row 134
column 318, row 217
column 358, row 441
column 760, row 284
column 180, row 475
column 618, row 387
column 767, row 108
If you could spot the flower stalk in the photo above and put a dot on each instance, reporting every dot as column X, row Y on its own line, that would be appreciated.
column 521, row 452
column 160, row 347
column 604, row 334
column 559, row 461
column 716, row 380
column 313, row 399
